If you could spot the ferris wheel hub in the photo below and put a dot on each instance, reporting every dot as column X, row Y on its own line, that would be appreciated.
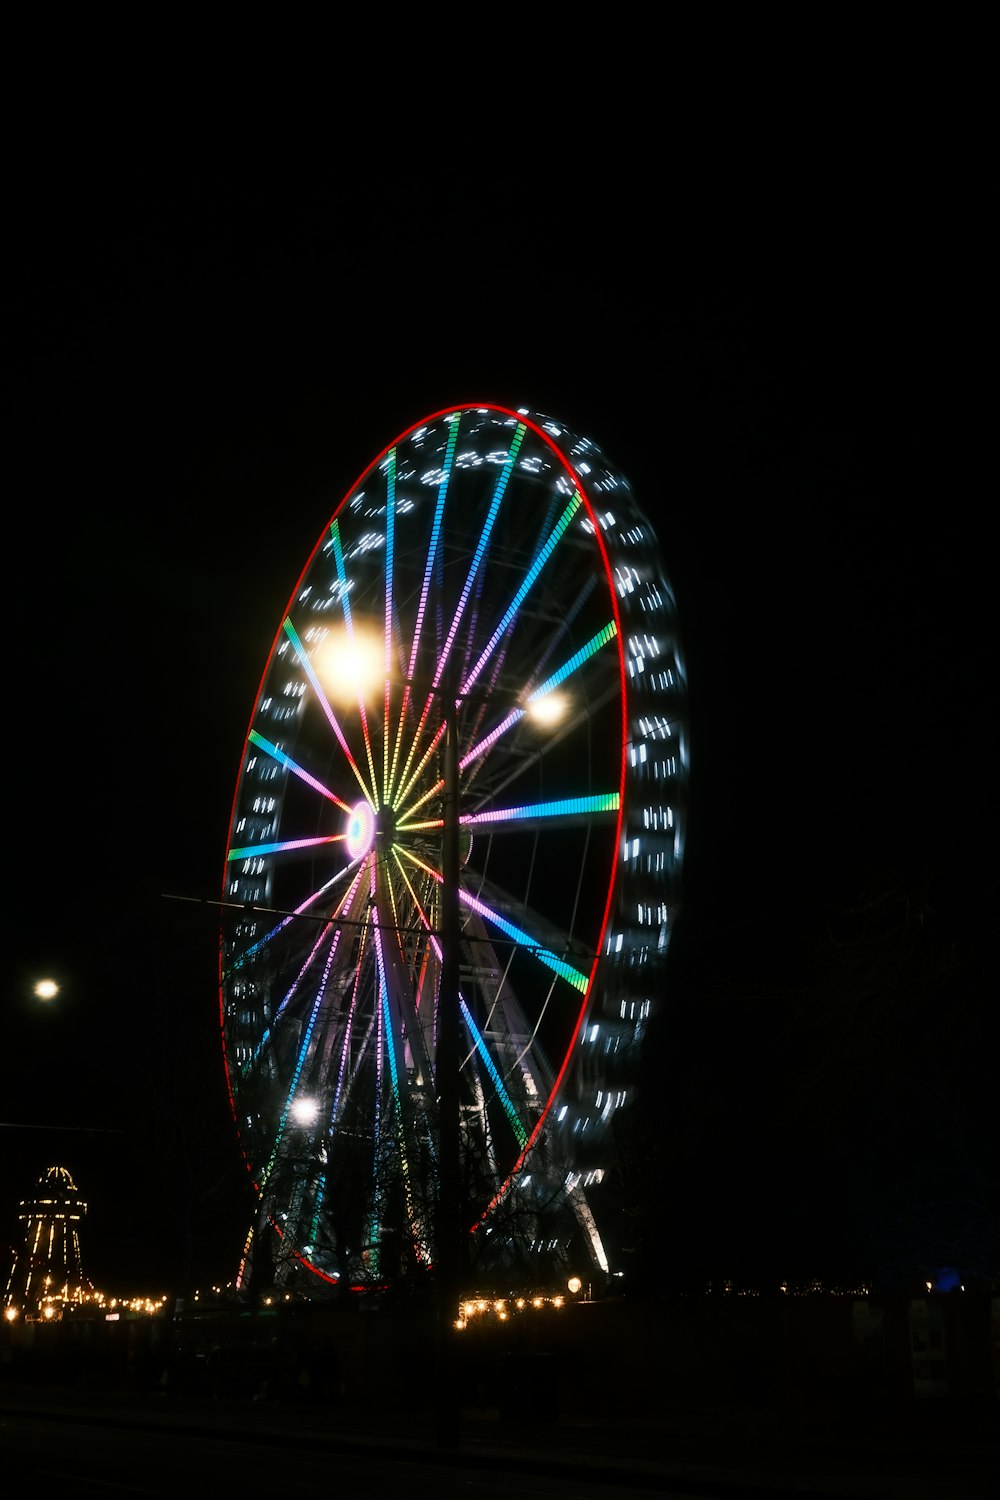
column 361, row 827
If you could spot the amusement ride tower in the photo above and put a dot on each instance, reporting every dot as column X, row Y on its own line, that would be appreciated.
column 48, row 1272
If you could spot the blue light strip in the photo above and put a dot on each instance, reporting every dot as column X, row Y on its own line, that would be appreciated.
column 566, row 807
column 578, row 658
column 478, row 1040
column 435, row 537
column 387, row 1020
column 286, row 760
column 572, row 664
column 502, row 1094
column 303, row 970
column 424, row 591
column 349, row 1027
column 557, row 965
column 262, row 1045
column 529, row 579
column 282, row 847
column 300, row 1061
column 297, row 912
column 498, row 495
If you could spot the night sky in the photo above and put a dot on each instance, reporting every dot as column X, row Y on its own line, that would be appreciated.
column 204, row 348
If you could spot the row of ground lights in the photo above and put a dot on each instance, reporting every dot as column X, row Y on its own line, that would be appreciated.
column 501, row 1308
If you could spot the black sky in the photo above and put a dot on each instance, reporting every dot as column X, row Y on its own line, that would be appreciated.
column 204, row 347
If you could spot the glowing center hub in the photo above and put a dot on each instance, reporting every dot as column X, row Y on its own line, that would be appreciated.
column 360, row 831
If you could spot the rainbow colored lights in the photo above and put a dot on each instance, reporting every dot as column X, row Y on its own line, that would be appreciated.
column 360, row 830
column 477, row 556
column 565, row 807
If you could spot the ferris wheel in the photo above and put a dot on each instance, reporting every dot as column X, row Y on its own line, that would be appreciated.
column 482, row 640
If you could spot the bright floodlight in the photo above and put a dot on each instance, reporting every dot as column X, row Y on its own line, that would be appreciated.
column 46, row 989
column 305, row 1111
column 548, row 709
column 350, row 665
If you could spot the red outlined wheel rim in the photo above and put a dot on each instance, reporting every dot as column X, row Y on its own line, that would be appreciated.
column 471, row 542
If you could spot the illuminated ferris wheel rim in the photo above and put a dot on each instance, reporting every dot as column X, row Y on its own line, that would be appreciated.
column 543, row 428
column 366, row 819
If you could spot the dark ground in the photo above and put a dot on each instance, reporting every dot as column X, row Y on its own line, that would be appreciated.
column 722, row 1398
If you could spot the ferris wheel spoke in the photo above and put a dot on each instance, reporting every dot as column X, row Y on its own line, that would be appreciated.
column 530, row 579
column 282, row 759
column 536, row 695
column 265, row 1041
column 292, row 1096
column 346, row 1016
column 557, row 628
column 533, row 945
column 331, row 718
column 241, row 960
column 561, row 812
column 308, row 1050
column 351, row 1070
column 482, row 1051
column 285, row 846
column 345, row 604
column 407, row 785
column 419, row 902
column 480, row 549
column 433, row 545
column 446, row 653
column 546, row 944
column 400, row 1141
